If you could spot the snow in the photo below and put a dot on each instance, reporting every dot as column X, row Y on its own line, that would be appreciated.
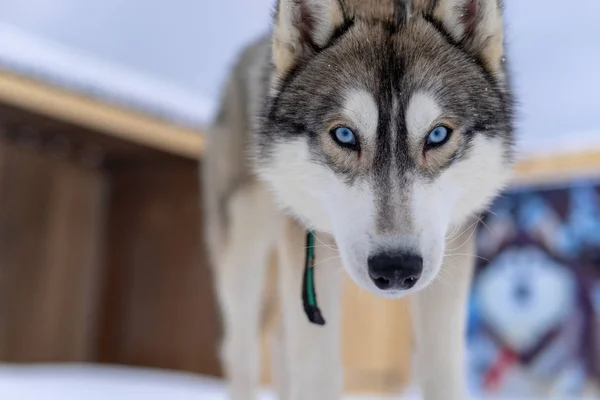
column 76, row 382
column 50, row 62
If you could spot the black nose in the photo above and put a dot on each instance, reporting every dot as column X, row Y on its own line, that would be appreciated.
column 395, row 271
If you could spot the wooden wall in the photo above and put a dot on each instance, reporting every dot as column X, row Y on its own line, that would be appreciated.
column 158, row 296
column 52, row 217
column 101, row 256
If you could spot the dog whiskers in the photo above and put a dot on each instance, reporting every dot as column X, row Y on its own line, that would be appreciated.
column 327, row 259
column 484, row 224
column 320, row 246
column 467, row 255
column 325, row 244
column 495, row 214
column 474, row 225
column 453, row 233
column 442, row 278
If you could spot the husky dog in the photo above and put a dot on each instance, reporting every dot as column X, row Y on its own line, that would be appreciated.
column 384, row 125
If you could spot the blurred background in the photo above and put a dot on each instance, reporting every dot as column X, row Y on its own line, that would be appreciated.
column 104, row 286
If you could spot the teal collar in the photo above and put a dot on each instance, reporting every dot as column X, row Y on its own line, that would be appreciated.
column 309, row 295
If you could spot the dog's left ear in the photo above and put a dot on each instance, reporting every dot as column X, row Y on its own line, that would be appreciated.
column 477, row 24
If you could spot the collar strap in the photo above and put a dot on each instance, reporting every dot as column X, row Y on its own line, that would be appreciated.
column 309, row 295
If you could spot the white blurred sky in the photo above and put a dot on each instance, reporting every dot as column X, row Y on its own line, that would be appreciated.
column 554, row 49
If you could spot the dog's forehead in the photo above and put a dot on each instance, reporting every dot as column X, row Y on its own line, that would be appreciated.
column 397, row 63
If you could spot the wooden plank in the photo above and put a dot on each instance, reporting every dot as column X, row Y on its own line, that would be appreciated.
column 67, row 140
column 74, row 257
column 50, row 236
column 377, row 342
column 159, row 307
column 557, row 167
column 124, row 124
column 24, row 211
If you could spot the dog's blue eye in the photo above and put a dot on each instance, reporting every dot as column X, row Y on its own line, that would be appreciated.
column 438, row 135
column 345, row 136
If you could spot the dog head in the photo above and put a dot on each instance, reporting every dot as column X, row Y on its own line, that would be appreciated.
column 386, row 124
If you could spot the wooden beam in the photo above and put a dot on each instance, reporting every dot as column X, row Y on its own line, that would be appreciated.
column 557, row 168
column 128, row 125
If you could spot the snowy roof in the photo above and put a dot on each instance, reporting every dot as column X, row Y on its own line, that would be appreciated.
column 28, row 55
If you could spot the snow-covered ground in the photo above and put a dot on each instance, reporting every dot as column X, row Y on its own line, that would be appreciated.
column 77, row 382
column 93, row 382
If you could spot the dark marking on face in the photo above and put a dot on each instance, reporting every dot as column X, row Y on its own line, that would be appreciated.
column 401, row 10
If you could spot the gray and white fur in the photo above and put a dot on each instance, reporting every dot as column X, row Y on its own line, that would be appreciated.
column 392, row 208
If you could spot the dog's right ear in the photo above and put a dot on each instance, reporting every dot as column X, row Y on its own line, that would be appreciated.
column 477, row 24
column 300, row 26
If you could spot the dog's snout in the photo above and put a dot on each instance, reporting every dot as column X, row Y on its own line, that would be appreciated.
column 395, row 271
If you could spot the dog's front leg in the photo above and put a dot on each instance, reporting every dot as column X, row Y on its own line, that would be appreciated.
column 312, row 351
column 439, row 318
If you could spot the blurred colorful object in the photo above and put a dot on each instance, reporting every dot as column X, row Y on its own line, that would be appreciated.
column 535, row 307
